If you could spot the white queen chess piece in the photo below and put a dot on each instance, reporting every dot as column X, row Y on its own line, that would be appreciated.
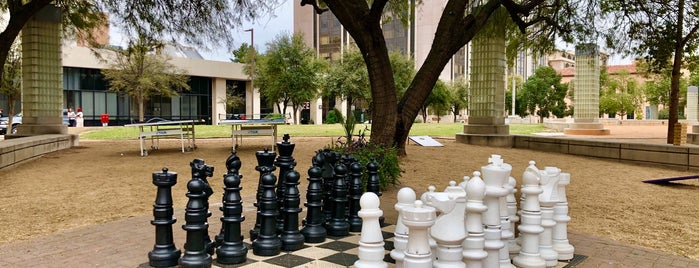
column 495, row 176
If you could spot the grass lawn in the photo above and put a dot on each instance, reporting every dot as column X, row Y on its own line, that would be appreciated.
column 332, row 130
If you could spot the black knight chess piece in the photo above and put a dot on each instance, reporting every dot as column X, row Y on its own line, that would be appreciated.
column 202, row 171
column 195, row 251
column 164, row 253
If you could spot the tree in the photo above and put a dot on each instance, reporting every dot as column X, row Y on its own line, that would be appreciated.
column 288, row 73
column 519, row 108
column 11, row 83
column 458, row 96
column 663, row 32
column 392, row 117
column 348, row 79
column 620, row 93
column 544, row 94
column 141, row 74
column 242, row 53
column 438, row 101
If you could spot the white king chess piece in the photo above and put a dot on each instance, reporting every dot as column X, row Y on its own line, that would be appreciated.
column 495, row 176
column 448, row 229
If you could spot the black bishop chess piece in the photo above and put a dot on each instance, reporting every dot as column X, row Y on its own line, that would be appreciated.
column 291, row 238
column 330, row 158
column 338, row 225
column 231, row 249
column 373, row 183
column 233, row 165
column 265, row 164
column 313, row 230
column 356, row 189
column 164, row 253
column 195, row 251
column 267, row 242
column 285, row 162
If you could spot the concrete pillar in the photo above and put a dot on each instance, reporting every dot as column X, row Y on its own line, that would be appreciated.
column 42, row 74
column 218, row 94
column 486, row 121
column 692, row 103
column 252, row 102
column 317, row 111
column 587, row 70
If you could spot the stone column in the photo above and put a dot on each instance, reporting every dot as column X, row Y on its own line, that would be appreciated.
column 586, row 101
column 42, row 74
column 486, row 121
column 692, row 102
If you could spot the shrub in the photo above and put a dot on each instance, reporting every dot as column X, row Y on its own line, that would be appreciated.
column 334, row 116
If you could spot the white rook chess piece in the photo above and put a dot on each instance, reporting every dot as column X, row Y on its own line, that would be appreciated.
column 371, row 245
column 512, row 214
column 473, row 252
column 548, row 198
column 560, row 215
column 406, row 198
column 530, row 221
column 418, row 218
column 448, row 231
column 495, row 176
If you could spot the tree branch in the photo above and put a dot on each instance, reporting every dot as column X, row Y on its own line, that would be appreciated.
column 377, row 9
column 315, row 5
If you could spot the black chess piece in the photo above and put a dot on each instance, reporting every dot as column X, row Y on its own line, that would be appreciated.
column 313, row 229
column 285, row 162
column 202, row 171
column 195, row 252
column 267, row 242
column 231, row 249
column 338, row 225
column 291, row 238
column 233, row 165
column 265, row 164
column 164, row 253
column 356, row 189
column 328, row 168
column 373, row 183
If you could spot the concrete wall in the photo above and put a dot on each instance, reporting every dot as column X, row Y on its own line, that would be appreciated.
column 19, row 150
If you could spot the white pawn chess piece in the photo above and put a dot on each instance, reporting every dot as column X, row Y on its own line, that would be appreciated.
column 418, row 219
column 433, row 244
column 371, row 245
column 473, row 253
column 465, row 182
column 406, row 197
column 548, row 199
column 448, row 231
column 495, row 175
column 530, row 221
column 560, row 215
column 512, row 214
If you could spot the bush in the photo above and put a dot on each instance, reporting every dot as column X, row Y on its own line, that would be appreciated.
column 334, row 116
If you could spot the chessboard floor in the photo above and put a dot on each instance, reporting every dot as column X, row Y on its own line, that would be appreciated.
column 334, row 252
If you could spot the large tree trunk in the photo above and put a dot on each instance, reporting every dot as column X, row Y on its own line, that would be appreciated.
column 675, row 79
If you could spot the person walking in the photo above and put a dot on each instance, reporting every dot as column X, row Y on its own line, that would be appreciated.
column 71, row 117
column 79, row 120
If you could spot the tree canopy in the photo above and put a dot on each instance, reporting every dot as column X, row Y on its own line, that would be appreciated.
column 458, row 96
column 620, row 93
column 543, row 94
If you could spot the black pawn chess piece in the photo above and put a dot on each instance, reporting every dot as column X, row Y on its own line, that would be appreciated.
column 164, row 253
column 267, row 242
column 195, row 254
column 285, row 162
column 373, row 183
column 356, row 189
column 231, row 249
column 265, row 164
column 291, row 238
column 338, row 225
column 202, row 171
column 313, row 229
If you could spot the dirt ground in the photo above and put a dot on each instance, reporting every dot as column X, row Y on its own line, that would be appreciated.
column 101, row 181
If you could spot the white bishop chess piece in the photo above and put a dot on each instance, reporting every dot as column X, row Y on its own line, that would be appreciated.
column 418, row 219
column 473, row 252
column 371, row 245
column 495, row 176
column 406, row 198
column 448, row 231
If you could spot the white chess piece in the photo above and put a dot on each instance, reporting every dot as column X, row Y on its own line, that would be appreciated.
column 473, row 252
column 495, row 176
column 465, row 182
column 418, row 219
column 548, row 199
column 560, row 216
column 371, row 245
column 406, row 197
column 530, row 221
column 448, row 231
column 433, row 244
column 512, row 214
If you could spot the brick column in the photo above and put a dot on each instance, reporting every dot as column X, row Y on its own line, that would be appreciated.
column 42, row 74
column 587, row 71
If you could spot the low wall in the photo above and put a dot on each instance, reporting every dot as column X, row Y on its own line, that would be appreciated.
column 19, row 150
column 665, row 155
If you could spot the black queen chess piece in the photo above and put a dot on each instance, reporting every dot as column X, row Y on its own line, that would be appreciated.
column 195, row 251
column 164, row 253
column 265, row 164
column 267, row 242
column 313, row 230
column 231, row 249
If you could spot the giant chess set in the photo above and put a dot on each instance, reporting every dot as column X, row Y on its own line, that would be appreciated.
column 468, row 224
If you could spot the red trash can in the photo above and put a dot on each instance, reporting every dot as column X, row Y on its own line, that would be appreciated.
column 105, row 120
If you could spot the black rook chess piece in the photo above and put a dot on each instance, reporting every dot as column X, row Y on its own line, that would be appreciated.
column 265, row 164
column 267, row 242
column 164, row 253
column 290, row 236
column 338, row 225
column 313, row 231
column 195, row 254
column 355, row 193
column 231, row 249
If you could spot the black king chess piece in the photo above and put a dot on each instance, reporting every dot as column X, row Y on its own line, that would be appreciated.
column 267, row 242
column 164, row 253
column 313, row 229
column 285, row 162
column 291, row 238
column 356, row 189
column 195, row 253
column 338, row 225
column 231, row 249
column 265, row 164
column 202, row 171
